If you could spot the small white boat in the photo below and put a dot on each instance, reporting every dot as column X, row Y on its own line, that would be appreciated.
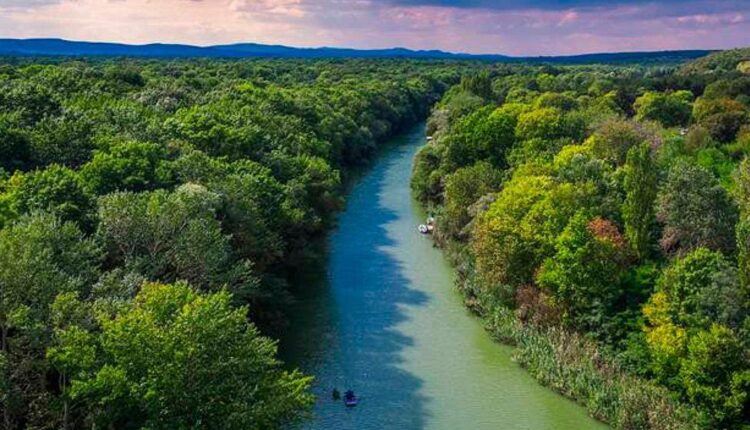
column 423, row 229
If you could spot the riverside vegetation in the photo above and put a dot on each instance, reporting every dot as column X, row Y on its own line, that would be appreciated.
column 151, row 213
column 600, row 220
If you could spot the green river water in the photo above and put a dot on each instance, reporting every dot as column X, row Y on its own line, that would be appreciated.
column 383, row 318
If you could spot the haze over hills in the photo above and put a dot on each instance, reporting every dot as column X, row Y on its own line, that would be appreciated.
column 60, row 47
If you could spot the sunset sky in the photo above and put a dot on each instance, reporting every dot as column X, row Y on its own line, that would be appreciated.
column 515, row 27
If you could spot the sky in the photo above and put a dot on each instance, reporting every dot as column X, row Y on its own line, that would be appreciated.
column 512, row 27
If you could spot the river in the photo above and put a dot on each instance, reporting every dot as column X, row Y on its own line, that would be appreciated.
column 383, row 318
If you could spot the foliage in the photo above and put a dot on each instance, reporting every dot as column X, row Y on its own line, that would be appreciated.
column 57, row 190
column 640, row 184
column 42, row 257
column 462, row 189
column 702, row 288
column 129, row 166
column 670, row 110
column 520, row 228
column 545, row 124
column 709, row 374
column 172, row 236
column 483, row 135
column 613, row 139
column 716, row 62
column 598, row 151
column 695, row 211
column 586, row 272
column 722, row 118
column 179, row 359
column 224, row 174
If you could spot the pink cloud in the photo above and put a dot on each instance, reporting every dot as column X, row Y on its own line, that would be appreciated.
column 375, row 24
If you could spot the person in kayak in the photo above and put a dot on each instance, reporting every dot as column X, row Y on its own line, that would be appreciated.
column 350, row 400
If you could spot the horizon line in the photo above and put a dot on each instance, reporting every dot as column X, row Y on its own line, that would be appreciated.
column 323, row 47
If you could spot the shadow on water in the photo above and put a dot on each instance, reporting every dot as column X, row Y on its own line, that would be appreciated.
column 344, row 328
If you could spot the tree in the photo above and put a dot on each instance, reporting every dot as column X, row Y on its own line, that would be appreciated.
column 485, row 135
column 479, row 84
column 742, row 196
column 31, row 100
column 586, row 272
column 173, row 236
column 462, row 189
column 743, row 254
column 178, row 359
column 695, row 211
column 614, row 138
column 520, row 228
column 65, row 139
column 564, row 102
column 702, row 287
column 697, row 300
column 72, row 351
column 666, row 339
column 14, row 144
column 640, row 195
column 715, row 359
column 426, row 178
column 722, row 118
column 671, row 110
column 252, row 208
column 56, row 189
column 129, row 166
column 545, row 124
column 506, row 253
column 41, row 258
column 742, row 186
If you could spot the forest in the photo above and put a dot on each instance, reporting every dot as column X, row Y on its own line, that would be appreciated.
column 599, row 217
column 152, row 213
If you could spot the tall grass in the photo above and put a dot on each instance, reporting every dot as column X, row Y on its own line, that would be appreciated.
column 575, row 367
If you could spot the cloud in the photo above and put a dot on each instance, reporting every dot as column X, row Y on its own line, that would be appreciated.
column 26, row 4
column 558, row 5
column 292, row 8
column 517, row 27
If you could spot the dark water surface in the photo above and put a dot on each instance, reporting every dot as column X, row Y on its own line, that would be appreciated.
column 383, row 318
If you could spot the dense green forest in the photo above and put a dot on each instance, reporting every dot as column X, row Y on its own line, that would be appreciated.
column 151, row 215
column 600, row 220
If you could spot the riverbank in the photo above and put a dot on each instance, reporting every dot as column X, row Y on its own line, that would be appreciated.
column 568, row 363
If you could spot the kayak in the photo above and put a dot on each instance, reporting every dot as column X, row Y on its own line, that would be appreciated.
column 352, row 402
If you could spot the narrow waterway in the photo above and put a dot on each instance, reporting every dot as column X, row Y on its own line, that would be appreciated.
column 383, row 318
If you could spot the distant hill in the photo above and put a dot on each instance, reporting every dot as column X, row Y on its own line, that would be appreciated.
column 59, row 47
column 258, row 50
column 624, row 57
column 719, row 62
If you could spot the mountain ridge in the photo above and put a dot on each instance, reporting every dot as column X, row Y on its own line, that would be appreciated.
column 67, row 48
